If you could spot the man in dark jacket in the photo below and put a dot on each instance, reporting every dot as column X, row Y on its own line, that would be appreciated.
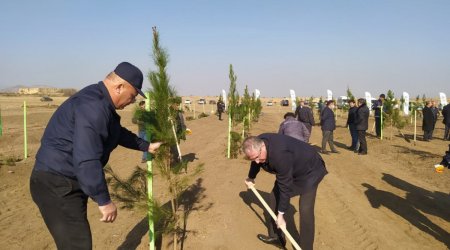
column 446, row 121
column 304, row 114
column 220, row 108
column 298, row 168
column 75, row 147
column 378, row 107
column 351, row 124
column 435, row 111
column 362, row 124
column 427, row 122
column 328, row 123
column 292, row 127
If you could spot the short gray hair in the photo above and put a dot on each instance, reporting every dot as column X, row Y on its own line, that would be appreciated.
column 251, row 143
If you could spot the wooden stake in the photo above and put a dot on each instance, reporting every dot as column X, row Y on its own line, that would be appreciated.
column 25, row 142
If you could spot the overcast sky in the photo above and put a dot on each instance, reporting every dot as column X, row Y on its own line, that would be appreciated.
column 308, row 46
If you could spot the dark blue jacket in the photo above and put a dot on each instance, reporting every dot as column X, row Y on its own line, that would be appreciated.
column 297, row 166
column 351, row 119
column 327, row 120
column 80, row 137
column 377, row 107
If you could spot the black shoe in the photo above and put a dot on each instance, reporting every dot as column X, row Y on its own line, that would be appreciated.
column 324, row 152
column 335, row 151
column 270, row 240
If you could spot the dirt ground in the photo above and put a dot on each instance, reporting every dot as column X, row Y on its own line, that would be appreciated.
column 389, row 199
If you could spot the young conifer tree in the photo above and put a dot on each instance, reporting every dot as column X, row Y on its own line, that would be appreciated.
column 246, row 111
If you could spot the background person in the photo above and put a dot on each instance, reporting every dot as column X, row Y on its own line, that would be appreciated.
column 427, row 122
column 362, row 124
column 435, row 111
column 294, row 128
column 328, row 124
column 351, row 124
column 378, row 107
column 304, row 114
column 74, row 149
column 220, row 108
column 298, row 170
column 446, row 121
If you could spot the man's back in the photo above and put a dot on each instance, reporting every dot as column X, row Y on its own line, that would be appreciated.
column 294, row 128
column 304, row 114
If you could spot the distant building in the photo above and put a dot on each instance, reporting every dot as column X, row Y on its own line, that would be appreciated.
column 47, row 91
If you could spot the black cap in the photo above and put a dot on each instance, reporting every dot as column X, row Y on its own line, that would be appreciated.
column 131, row 74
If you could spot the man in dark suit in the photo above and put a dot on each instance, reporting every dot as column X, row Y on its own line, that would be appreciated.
column 328, row 125
column 379, row 109
column 427, row 122
column 362, row 124
column 298, row 168
column 351, row 124
column 446, row 121
column 304, row 114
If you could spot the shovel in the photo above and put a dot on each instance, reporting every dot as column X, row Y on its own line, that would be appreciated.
column 283, row 228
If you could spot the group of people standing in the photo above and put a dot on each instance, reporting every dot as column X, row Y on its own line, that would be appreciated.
column 430, row 115
column 299, row 125
column 358, row 123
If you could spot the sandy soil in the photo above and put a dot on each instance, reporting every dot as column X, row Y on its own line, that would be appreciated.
column 388, row 199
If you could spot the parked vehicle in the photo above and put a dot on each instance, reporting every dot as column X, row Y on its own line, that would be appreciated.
column 269, row 103
column 46, row 99
column 201, row 101
column 212, row 102
column 284, row 102
column 187, row 101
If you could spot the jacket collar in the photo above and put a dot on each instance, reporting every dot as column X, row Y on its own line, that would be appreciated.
column 107, row 97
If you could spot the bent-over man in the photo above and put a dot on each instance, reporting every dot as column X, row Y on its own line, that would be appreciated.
column 298, row 170
column 74, row 149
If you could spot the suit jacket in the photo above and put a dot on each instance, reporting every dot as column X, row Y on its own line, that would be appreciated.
column 305, row 115
column 297, row 166
column 362, row 117
column 446, row 114
column 327, row 120
column 351, row 119
column 428, row 119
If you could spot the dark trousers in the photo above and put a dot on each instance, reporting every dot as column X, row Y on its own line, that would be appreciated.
column 327, row 136
column 446, row 133
column 427, row 134
column 362, row 141
column 378, row 126
column 220, row 115
column 354, row 135
column 63, row 207
column 306, row 206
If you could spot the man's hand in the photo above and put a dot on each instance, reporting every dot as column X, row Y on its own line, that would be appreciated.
column 153, row 147
column 109, row 212
column 280, row 221
column 249, row 182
